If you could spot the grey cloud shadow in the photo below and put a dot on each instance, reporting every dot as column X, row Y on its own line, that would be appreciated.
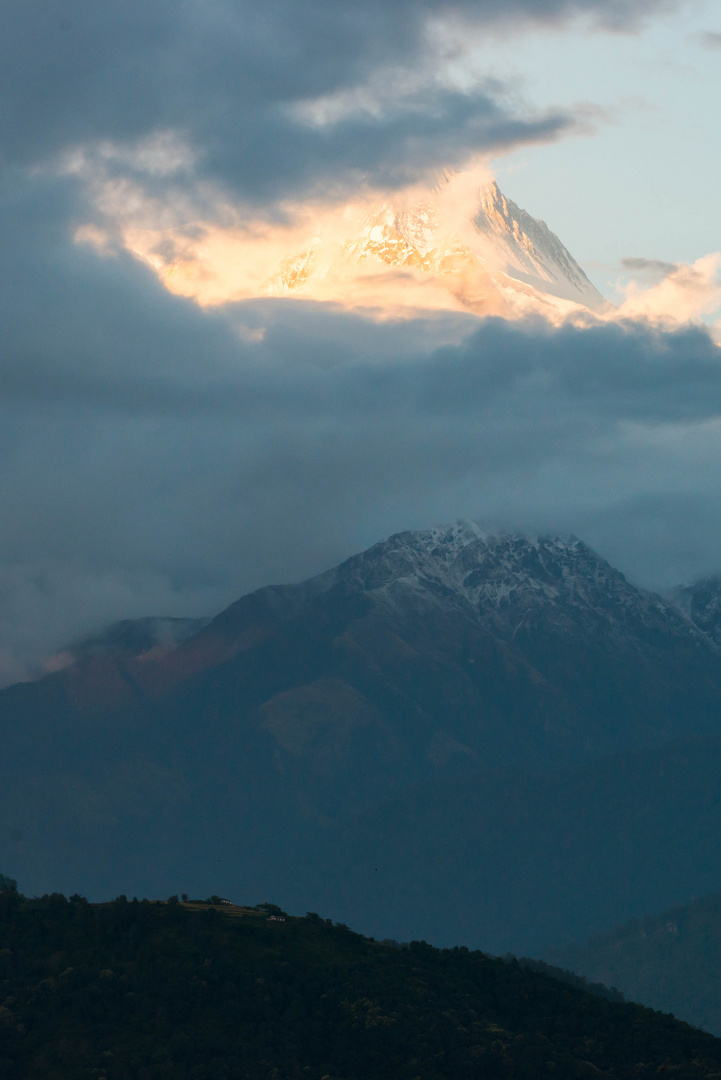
column 711, row 39
column 224, row 75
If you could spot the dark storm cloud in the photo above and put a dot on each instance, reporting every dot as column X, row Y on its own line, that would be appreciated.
column 504, row 377
column 227, row 75
column 431, row 129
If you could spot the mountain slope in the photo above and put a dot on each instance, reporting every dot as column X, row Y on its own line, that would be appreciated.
column 520, row 863
column 701, row 604
column 671, row 961
column 532, row 253
column 448, row 644
column 446, row 673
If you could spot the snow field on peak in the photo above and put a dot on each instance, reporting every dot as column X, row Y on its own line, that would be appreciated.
column 483, row 254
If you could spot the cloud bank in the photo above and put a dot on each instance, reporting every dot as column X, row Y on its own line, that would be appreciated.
column 158, row 458
column 673, row 293
column 235, row 79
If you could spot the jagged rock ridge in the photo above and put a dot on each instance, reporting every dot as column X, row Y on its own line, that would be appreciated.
column 501, row 579
column 701, row 603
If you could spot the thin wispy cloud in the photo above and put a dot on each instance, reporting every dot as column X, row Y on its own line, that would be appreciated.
column 711, row 39
column 653, row 268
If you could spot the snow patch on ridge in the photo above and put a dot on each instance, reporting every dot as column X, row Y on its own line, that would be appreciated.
column 505, row 581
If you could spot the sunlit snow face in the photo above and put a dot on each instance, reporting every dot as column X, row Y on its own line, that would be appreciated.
column 403, row 253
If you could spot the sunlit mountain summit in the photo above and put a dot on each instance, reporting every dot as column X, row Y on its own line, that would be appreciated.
column 485, row 255
column 458, row 246
column 534, row 255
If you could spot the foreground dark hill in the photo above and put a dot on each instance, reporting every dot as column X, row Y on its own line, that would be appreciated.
column 671, row 961
column 353, row 711
column 139, row 991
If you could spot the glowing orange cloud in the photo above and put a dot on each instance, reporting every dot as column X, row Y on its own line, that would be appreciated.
column 687, row 293
column 420, row 252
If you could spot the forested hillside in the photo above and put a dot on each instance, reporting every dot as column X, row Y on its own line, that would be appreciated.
column 145, row 991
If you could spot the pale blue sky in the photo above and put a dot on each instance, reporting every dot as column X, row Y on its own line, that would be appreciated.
column 645, row 181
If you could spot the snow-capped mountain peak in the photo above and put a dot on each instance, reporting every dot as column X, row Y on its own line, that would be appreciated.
column 505, row 580
column 533, row 254
column 493, row 259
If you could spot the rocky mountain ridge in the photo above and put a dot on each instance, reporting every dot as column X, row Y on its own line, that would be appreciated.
column 502, row 580
column 508, row 580
column 669, row 960
column 701, row 604
column 435, row 695
column 533, row 253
